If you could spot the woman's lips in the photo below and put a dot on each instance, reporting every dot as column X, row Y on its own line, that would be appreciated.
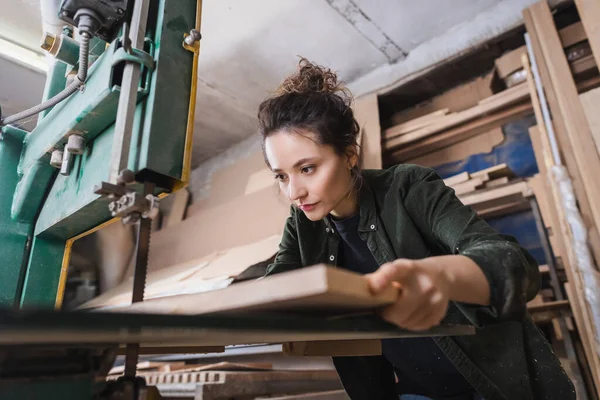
column 307, row 207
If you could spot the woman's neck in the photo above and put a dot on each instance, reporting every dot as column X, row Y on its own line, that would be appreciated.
column 347, row 207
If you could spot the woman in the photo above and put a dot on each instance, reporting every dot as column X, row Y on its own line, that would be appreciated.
column 402, row 226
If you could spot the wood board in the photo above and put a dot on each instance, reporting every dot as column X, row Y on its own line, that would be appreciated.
column 469, row 186
column 510, row 62
column 415, row 124
column 318, row 289
column 460, row 133
column 590, row 101
column 366, row 113
column 494, row 172
column 457, row 99
column 483, row 143
column 589, row 11
column 458, row 178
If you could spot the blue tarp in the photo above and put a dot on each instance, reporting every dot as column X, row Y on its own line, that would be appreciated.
column 517, row 152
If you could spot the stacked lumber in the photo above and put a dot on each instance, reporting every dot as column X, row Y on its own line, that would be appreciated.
column 440, row 129
column 569, row 147
column 434, row 131
column 492, row 191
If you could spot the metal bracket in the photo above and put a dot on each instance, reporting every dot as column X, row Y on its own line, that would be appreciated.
column 136, row 55
column 128, row 204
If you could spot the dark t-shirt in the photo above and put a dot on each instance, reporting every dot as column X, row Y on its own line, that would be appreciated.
column 421, row 366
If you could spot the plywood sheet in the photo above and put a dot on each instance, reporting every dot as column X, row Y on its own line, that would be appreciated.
column 316, row 289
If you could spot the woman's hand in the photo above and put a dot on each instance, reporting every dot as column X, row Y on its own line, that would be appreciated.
column 423, row 293
column 427, row 285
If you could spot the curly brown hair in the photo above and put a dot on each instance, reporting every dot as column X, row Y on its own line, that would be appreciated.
column 312, row 99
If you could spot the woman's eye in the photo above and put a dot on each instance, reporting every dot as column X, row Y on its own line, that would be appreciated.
column 279, row 177
column 308, row 169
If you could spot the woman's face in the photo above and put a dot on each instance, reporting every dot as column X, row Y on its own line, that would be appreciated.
column 314, row 177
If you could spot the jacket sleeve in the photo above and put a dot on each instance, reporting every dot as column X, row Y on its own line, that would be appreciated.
column 512, row 272
column 288, row 257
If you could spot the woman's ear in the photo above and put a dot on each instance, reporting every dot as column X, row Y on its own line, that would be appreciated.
column 352, row 156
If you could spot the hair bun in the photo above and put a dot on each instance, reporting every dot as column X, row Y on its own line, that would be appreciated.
column 309, row 78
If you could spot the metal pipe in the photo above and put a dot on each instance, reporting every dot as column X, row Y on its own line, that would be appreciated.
column 543, row 103
column 128, row 95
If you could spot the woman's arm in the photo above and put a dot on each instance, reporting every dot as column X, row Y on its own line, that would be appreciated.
column 487, row 274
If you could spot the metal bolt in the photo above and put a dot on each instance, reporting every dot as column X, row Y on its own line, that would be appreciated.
column 48, row 41
column 193, row 37
column 120, row 11
column 56, row 158
column 76, row 144
column 64, row 13
column 65, row 168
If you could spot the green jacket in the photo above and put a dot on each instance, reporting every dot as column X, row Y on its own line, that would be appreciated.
column 408, row 212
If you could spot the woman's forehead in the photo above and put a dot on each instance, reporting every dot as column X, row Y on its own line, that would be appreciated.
column 284, row 149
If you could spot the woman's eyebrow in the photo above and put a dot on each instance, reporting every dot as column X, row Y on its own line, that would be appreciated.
column 298, row 163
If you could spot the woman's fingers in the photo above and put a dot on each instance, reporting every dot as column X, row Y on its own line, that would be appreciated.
column 431, row 315
column 395, row 271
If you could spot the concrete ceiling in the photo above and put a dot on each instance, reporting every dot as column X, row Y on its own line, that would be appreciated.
column 248, row 47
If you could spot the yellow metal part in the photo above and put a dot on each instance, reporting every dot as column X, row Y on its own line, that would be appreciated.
column 189, row 137
column 64, row 270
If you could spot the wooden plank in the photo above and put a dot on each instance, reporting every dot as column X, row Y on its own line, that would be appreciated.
column 564, row 140
column 520, row 189
column 178, row 206
column 459, row 98
column 317, row 289
column 467, row 187
column 460, row 133
column 415, row 124
column 333, row 348
column 559, row 222
column 568, row 104
column 456, row 179
column 483, row 143
column 494, row 103
column 546, row 312
column 588, row 346
column 572, row 34
column 591, row 105
column 589, row 11
column 510, row 62
column 494, row 172
column 497, row 182
column 366, row 112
